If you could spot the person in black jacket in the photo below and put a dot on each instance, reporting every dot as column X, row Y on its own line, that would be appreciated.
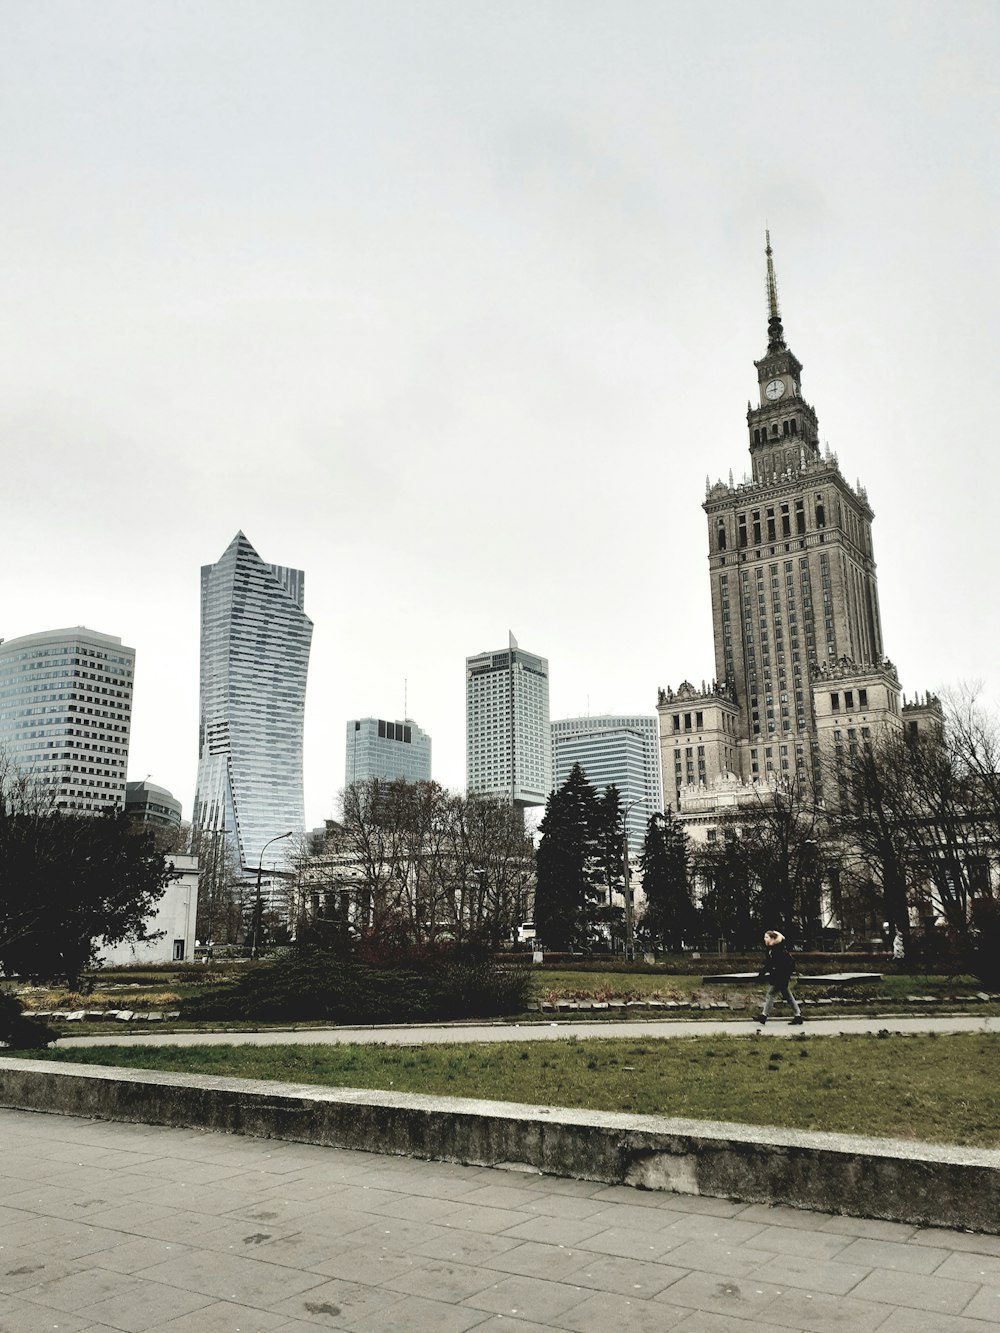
column 777, row 970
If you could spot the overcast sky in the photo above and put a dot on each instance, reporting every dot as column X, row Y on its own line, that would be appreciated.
column 454, row 305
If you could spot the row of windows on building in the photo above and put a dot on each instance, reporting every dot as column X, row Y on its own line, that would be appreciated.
column 785, row 759
column 757, row 526
column 773, row 523
column 695, row 721
column 392, row 731
column 789, row 429
column 848, row 700
column 12, row 692
column 49, row 750
column 111, row 664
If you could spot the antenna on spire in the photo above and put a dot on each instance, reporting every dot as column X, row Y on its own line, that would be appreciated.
column 772, row 282
column 775, row 333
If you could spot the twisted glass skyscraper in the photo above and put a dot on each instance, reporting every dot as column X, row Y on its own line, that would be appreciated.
column 255, row 640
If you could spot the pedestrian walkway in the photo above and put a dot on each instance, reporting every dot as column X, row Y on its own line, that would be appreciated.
column 107, row 1227
column 417, row 1035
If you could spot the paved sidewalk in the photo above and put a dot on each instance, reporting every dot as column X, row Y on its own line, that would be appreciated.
column 544, row 1030
column 152, row 1230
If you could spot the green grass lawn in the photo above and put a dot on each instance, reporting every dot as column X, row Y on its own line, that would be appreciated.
column 928, row 1087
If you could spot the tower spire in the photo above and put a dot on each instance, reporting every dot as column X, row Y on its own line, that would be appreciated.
column 775, row 333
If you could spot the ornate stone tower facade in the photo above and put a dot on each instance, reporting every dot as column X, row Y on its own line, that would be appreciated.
column 794, row 599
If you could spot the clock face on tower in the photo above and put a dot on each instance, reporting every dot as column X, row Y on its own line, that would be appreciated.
column 774, row 389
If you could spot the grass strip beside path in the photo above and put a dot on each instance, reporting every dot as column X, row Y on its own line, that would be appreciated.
column 928, row 1087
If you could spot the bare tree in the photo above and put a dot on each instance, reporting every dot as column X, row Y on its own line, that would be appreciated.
column 873, row 818
column 921, row 814
column 494, row 864
column 416, row 862
column 223, row 893
column 168, row 837
column 784, row 835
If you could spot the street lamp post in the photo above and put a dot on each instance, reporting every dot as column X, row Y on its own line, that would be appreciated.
column 255, row 951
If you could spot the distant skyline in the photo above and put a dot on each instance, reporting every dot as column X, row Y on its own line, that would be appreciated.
column 454, row 306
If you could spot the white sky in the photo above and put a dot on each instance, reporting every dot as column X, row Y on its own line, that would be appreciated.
column 454, row 305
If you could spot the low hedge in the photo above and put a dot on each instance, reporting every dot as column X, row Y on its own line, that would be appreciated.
column 321, row 986
column 17, row 1031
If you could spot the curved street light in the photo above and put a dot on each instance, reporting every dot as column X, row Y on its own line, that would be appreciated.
column 255, row 951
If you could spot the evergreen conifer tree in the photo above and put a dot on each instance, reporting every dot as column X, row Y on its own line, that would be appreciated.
column 609, row 863
column 669, row 915
column 730, row 907
column 567, row 889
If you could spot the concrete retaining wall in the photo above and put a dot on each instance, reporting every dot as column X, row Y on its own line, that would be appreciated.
column 883, row 1178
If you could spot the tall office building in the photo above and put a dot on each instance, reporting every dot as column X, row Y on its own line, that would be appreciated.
column 507, row 743
column 800, row 665
column 255, row 640
column 65, row 714
column 622, row 752
column 376, row 748
column 147, row 803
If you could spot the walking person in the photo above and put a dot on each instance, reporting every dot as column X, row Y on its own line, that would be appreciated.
column 777, row 970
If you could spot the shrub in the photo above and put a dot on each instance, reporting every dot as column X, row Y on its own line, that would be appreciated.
column 18, row 1032
column 985, row 952
column 316, row 985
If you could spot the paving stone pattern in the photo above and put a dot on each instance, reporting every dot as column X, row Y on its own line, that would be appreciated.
column 152, row 1230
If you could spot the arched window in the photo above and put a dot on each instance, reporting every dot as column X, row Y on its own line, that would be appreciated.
column 784, row 428
column 722, row 535
column 794, row 427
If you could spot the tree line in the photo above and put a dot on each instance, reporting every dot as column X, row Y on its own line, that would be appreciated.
column 916, row 820
column 900, row 836
column 895, row 838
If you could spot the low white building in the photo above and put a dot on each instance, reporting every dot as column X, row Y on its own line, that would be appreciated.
column 174, row 916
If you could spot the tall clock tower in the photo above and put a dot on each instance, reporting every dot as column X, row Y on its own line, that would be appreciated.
column 794, row 595
column 783, row 429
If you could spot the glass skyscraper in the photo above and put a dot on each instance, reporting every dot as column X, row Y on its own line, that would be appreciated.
column 255, row 640
column 507, row 746
column 387, row 750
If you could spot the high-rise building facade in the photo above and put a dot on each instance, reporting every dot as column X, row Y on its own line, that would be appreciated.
column 376, row 748
column 622, row 752
column 800, row 665
column 255, row 640
column 147, row 803
column 66, row 713
column 507, row 743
